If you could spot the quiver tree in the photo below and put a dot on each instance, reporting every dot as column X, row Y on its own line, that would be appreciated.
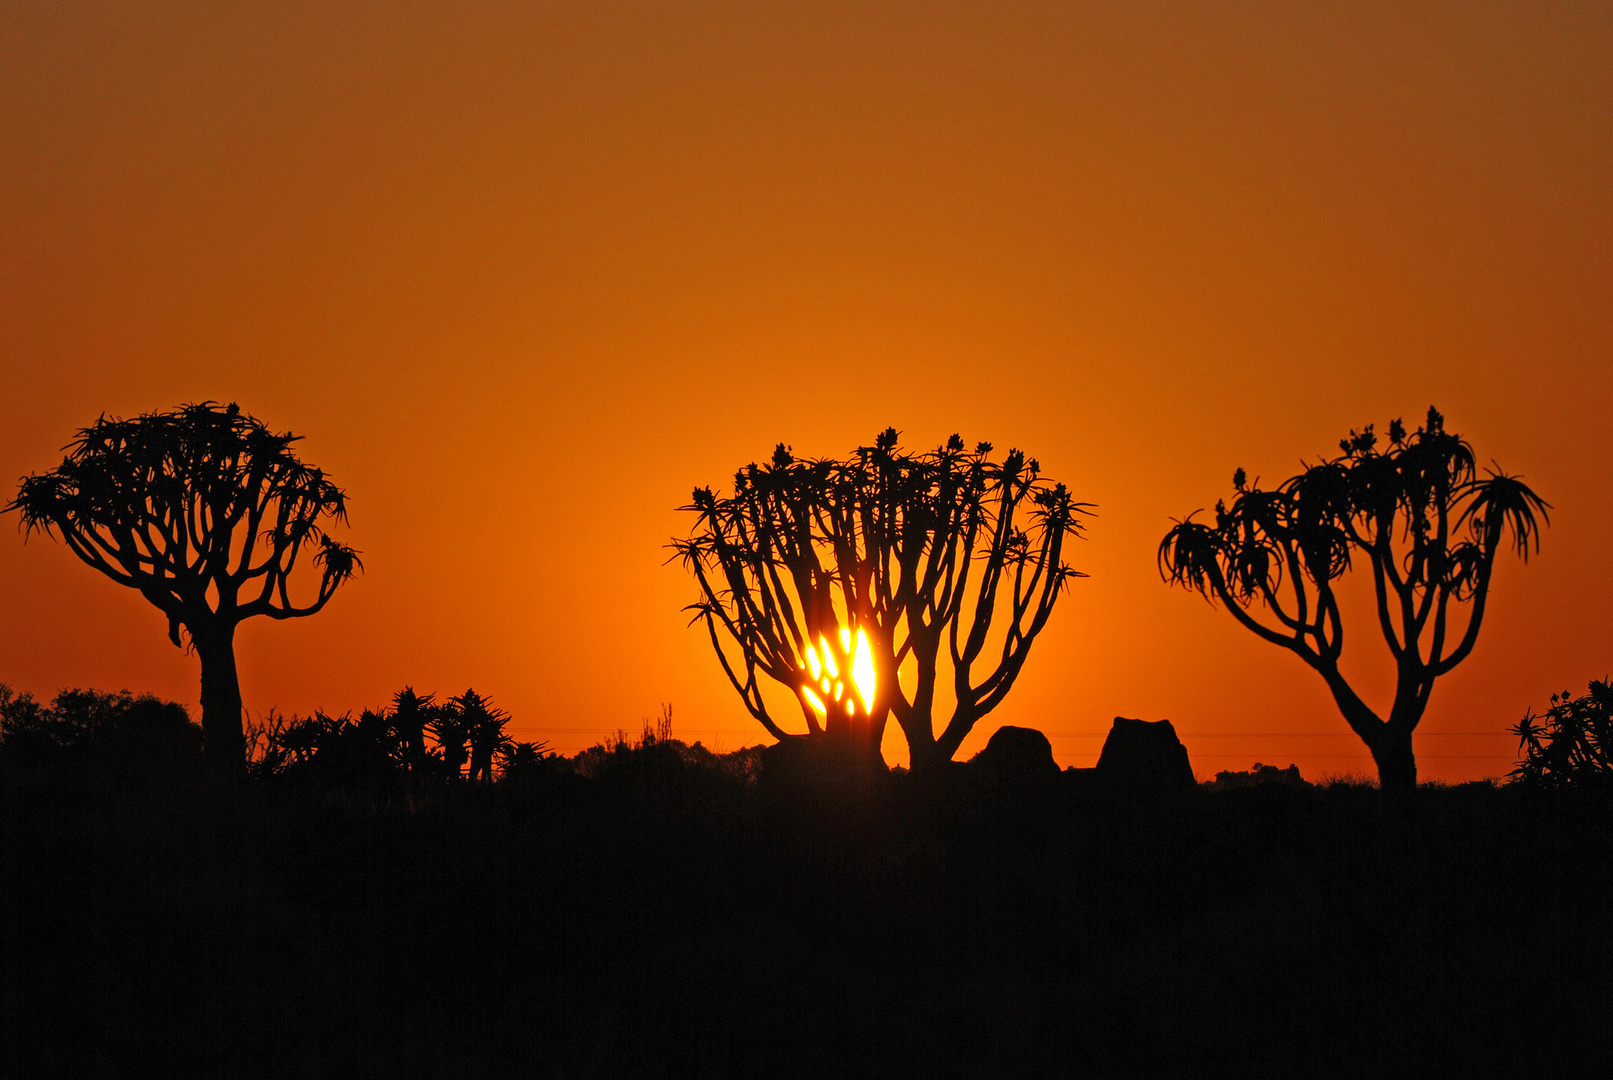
column 206, row 512
column 1426, row 523
column 469, row 729
column 838, row 579
column 483, row 725
column 412, row 713
column 451, row 730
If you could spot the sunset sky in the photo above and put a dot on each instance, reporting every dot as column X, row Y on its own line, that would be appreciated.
column 525, row 273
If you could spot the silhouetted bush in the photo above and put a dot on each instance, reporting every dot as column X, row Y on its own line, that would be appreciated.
column 336, row 752
column 658, row 765
column 647, row 909
column 1572, row 745
column 384, row 753
column 87, row 727
column 1227, row 780
column 520, row 761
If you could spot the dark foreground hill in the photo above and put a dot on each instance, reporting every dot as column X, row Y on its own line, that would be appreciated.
column 667, row 918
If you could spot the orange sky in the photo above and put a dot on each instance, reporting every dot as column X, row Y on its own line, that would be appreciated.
column 525, row 273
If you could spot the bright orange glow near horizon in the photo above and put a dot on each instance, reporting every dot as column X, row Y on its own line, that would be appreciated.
column 525, row 274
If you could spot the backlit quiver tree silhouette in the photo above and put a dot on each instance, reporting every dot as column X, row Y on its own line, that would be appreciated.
column 832, row 577
column 205, row 511
column 1422, row 518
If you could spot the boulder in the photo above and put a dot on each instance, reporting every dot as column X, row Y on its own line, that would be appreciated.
column 801, row 757
column 1144, row 757
column 817, row 769
column 1017, row 755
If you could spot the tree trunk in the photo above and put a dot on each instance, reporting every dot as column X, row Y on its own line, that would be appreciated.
column 1397, row 766
column 454, row 755
column 925, row 757
column 932, row 756
column 222, row 732
column 946, row 747
column 1390, row 742
column 854, row 748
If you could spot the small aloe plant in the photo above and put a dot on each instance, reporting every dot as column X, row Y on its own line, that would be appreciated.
column 1571, row 745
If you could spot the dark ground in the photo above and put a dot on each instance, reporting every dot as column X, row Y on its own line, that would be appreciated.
column 663, row 919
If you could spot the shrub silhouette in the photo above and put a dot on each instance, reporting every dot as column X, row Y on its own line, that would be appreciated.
column 89, row 727
column 338, row 752
column 1572, row 745
column 205, row 511
column 658, row 767
column 1420, row 516
column 1229, row 780
column 818, row 571
column 385, row 753
column 519, row 761
column 611, row 926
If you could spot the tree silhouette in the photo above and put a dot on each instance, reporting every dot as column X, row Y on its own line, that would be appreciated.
column 483, row 725
column 517, row 760
column 205, row 511
column 411, row 714
column 467, row 729
column 823, row 573
column 1427, row 524
column 450, row 728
